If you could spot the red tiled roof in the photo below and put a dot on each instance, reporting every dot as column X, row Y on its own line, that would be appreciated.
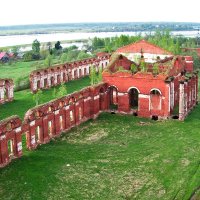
column 2, row 54
column 143, row 45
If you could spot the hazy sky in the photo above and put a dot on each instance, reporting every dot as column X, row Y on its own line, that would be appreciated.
column 64, row 11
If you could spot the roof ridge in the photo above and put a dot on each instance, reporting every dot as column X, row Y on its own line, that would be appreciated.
column 147, row 42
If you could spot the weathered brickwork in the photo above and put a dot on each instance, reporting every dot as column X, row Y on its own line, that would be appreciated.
column 49, row 120
column 153, row 95
column 6, row 90
column 52, row 76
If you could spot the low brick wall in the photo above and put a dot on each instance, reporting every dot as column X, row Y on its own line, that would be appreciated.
column 49, row 120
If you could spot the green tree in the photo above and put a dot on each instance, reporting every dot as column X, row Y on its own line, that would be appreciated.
column 92, row 76
column 63, row 57
column 82, row 55
column 15, row 50
column 143, row 66
column 133, row 68
column 62, row 90
column 37, row 96
column 100, row 78
column 58, row 45
column 49, row 47
column 49, row 60
column 36, row 47
column 28, row 56
column 97, row 43
column 72, row 55
column 155, row 68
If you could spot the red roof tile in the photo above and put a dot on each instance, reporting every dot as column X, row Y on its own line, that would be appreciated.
column 2, row 54
column 144, row 46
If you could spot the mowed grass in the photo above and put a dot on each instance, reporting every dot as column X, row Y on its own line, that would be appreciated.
column 23, row 100
column 113, row 157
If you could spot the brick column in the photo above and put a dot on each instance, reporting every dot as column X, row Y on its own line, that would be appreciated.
column 181, row 101
column 167, row 100
column 123, row 102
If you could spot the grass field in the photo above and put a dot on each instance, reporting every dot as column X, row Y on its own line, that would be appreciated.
column 23, row 100
column 113, row 157
column 20, row 69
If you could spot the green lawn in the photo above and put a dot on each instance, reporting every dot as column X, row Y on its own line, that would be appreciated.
column 20, row 69
column 113, row 157
column 23, row 100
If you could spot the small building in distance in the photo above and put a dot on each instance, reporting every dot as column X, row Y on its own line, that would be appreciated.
column 5, row 57
column 156, row 85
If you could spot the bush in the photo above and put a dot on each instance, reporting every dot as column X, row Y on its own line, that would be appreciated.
column 22, row 83
column 28, row 56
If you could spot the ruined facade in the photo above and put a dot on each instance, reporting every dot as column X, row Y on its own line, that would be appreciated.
column 52, row 76
column 49, row 120
column 161, row 89
column 6, row 90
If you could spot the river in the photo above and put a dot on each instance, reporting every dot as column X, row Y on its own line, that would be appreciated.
column 13, row 40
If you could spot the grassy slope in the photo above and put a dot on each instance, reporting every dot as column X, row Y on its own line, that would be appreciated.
column 113, row 157
column 18, row 69
column 24, row 99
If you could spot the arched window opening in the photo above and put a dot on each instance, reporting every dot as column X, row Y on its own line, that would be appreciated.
column 71, row 115
column 37, row 134
column 85, row 72
column 155, row 100
column 52, row 80
column 113, row 98
column 10, row 147
column 64, row 77
column 38, row 84
column 61, row 104
column 50, row 128
column 71, row 100
column 45, row 82
column 5, row 93
column 80, row 113
column 80, row 73
column 58, row 78
column 133, row 98
column 61, row 122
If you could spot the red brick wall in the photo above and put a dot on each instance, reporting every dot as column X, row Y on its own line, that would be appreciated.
column 84, row 105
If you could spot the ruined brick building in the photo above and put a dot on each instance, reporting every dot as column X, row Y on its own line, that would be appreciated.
column 140, row 79
column 6, row 90
column 147, row 81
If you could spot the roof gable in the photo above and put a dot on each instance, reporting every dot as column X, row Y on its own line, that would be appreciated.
column 144, row 47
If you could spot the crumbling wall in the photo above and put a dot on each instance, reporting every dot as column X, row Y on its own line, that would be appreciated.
column 49, row 120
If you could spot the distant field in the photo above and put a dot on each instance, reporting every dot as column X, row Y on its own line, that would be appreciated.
column 20, row 69
column 113, row 157
column 23, row 100
column 96, row 27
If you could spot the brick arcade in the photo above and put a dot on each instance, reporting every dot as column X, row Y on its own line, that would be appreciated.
column 52, row 76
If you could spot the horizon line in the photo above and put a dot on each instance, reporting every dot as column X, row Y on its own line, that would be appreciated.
column 63, row 23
